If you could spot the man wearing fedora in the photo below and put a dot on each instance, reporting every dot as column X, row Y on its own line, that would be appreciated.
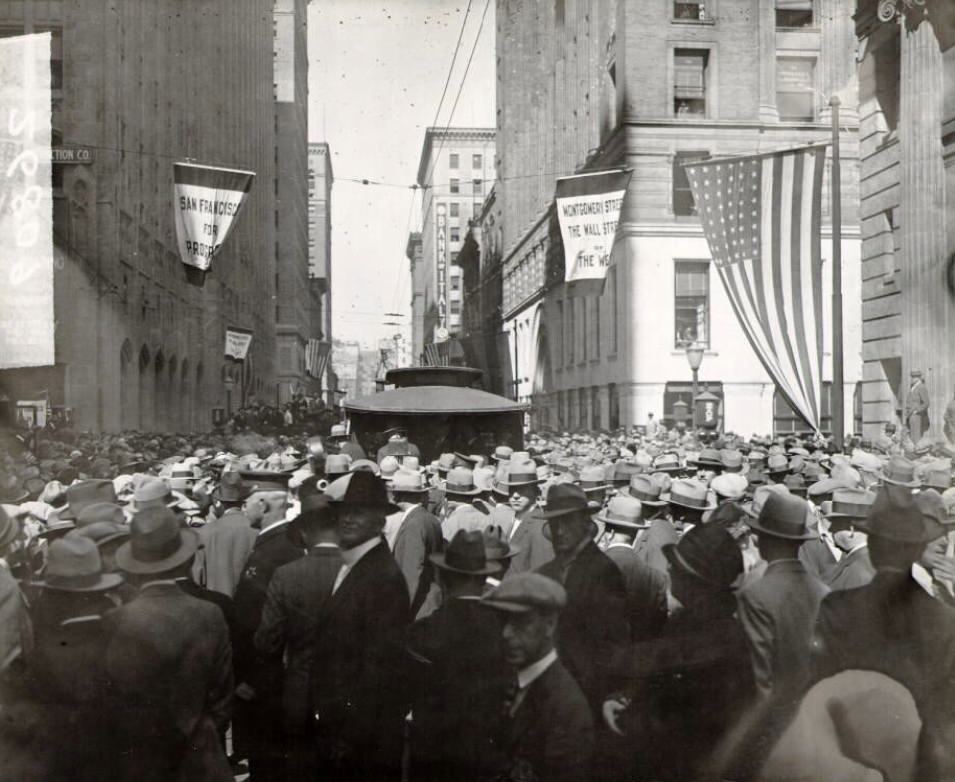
column 458, row 677
column 225, row 543
column 854, row 568
column 915, row 410
column 893, row 626
column 414, row 536
column 517, row 483
column 359, row 659
column 169, row 660
column 295, row 608
column 594, row 627
column 668, row 708
column 645, row 587
column 778, row 611
column 548, row 731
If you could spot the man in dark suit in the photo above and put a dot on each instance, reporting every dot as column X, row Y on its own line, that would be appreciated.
column 295, row 607
column 520, row 517
column 893, row 626
column 418, row 536
column 257, row 724
column 548, row 730
column 458, row 680
column 358, row 668
column 594, row 628
column 169, row 660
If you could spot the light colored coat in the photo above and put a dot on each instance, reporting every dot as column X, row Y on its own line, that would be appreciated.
column 224, row 547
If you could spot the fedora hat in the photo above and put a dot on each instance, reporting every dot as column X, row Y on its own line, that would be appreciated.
column 822, row 490
column 865, row 461
column 687, row 493
column 496, row 546
column 101, row 532
column 731, row 460
column 566, row 499
column 796, row 484
column 152, row 492
column 84, row 493
column 646, row 490
column 937, row 477
column 445, row 462
column 460, row 481
column 851, row 504
column 337, row 464
column 408, row 482
column 623, row 471
column 707, row 552
column 593, row 478
column 708, row 457
column 899, row 471
column 901, row 520
column 484, row 478
column 365, row 465
column 157, row 542
column 784, row 516
column 388, row 467
column 515, row 473
column 730, row 485
column 502, row 453
column 231, row 488
column 101, row 511
column 777, row 464
column 411, row 464
column 466, row 554
column 73, row 565
column 360, row 488
column 622, row 511
column 667, row 462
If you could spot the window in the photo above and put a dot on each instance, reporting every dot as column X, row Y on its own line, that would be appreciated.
column 689, row 82
column 455, row 209
column 455, row 186
column 478, row 186
column 453, row 160
column 454, row 256
column 595, row 331
column 595, row 407
column 477, row 161
column 692, row 303
column 455, row 235
column 455, row 307
column 612, row 273
column 584, row 345
column 795, row 79
column 455, row 283
column 560, row 335
column 690, row 10
column 613, row 407
column 794, row 13
column 582, row 408
column 683, row 204
column 571, row 332
column 786, row 420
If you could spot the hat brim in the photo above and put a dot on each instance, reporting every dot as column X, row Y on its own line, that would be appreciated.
column 757, row 527
column 489, row 569
column 509, row 606
column 460, row 492
column 589, row 509
column 652, row 503
column 700, row 508
column 188, row 543
column 106, row 581
column 407, row 489
column 619, row 522
column 499, row 487
column 913, row 484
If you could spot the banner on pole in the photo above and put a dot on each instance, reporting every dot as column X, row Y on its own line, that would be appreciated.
column 761, row 215
column 237, row 342
column 588, row 209
column 206, row 204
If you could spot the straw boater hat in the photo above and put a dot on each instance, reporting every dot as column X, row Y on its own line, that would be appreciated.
column 409, row 482
column 667, row 462
column 784, row 516
column 709, row 459
column 515, row 473
column 502, row 453
column 622, row 511
column 593, row 479
column 646, row 490
column 157, row 542
column 730, row 485
column 460, row 482
column 851, row 504
column 466, row 554
column 690, row 494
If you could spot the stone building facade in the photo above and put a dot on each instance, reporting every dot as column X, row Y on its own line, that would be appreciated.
column 142, row 84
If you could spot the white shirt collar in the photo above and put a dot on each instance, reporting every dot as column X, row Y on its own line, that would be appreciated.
column 325, row 545
column 273, row 525
column 621, row 545
column 527, row 676
column 158, row 582
column 353, row 555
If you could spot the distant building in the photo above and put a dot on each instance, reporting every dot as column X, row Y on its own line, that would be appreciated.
column 455, row 173
column 907, row 126
column 295, row 297
column 649, row 87
column 345, row 360
column 143, row 84
column 320, row 179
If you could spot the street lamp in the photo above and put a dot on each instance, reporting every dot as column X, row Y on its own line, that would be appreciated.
column 694, row 356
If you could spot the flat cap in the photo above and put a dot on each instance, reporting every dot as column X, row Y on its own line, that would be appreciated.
column 527, row 592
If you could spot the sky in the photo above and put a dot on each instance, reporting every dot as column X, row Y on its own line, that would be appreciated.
column 376, row 74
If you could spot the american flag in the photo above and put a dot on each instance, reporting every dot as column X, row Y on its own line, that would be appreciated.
column 761, row 218
column 316, row 357
column 432, row 355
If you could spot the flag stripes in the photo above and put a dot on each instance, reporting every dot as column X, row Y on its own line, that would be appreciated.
column 761, row 216
column 316, row 357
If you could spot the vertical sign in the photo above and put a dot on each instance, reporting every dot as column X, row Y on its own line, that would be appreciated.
column 441, row 242
column 26, row 203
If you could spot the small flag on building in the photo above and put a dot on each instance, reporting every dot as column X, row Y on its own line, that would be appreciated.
column 237, row 342
column 588, row 208
column 207, row 201
column 432, row 355
column 761, row 218
column 316, row 357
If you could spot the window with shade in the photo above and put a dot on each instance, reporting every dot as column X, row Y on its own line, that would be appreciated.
column 683, row 203
column 689, row 82
column 689, row 10
column 795, row 88
column 692, row 303
column 794, row 13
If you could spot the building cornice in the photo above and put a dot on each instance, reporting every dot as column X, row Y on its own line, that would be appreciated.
column 682, row 124
column 433, row 134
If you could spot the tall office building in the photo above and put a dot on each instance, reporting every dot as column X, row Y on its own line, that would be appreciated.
column 320, row 179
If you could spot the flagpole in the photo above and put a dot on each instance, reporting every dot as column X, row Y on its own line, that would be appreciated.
column 837, row 398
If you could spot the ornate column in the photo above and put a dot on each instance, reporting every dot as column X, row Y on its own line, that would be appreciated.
column 925, row 295
column 766, row 41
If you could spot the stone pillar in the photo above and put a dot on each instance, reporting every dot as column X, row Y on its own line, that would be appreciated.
column 925, row 296
column 766, row 33
column 836, row 64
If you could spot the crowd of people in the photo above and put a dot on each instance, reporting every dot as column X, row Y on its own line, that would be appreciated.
column 636, row 605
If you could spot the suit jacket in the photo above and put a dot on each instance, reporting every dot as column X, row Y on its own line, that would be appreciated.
column 358, row 667
column 818, row 559
column 649, row 546
column 778, row 614
column 646, row 590
column 171, row 666
column 458, row 685
column 594, row 627
column 418, row 537
column 853, row 570
column 225, row 545
column 916, row 401
column 295, row 606
column 550, row 738
column 891, row 625
column 535, row 549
